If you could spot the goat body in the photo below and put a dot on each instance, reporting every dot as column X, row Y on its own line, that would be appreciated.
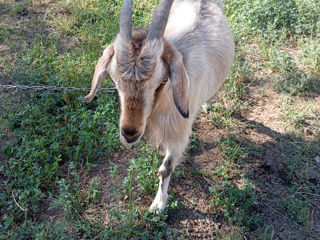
column 207, row 48
column 195, row 52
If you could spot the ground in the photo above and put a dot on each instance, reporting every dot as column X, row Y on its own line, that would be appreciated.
column 251, row 170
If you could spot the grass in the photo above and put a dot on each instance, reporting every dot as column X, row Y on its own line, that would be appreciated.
column 50, row 186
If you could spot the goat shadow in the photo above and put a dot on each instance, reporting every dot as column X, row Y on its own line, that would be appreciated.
column 269, row 167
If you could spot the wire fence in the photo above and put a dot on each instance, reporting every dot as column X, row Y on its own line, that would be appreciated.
column 51, row 88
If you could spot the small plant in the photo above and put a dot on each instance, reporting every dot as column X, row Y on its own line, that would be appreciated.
column 268, row 233
column 146, row 168
column 193, row 144
column 270, row 18
column 295, row 116
column 233, row 149
column 297, row 210
column 220, row 116
column 69, row 199
column 236, row 203
column 93, row 192
column 19, row 9
column 311, row 53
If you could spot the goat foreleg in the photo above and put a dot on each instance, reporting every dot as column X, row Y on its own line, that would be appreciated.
column 166, row 169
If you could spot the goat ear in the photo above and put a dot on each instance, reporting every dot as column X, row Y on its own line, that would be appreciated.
column 100, row 72
column 179, row 79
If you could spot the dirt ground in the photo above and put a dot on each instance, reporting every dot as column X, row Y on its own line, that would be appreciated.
column 195, row 219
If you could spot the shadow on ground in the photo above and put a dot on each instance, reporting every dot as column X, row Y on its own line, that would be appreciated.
column 276, row 167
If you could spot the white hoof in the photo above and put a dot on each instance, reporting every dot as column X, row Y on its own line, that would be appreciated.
column 158, row 205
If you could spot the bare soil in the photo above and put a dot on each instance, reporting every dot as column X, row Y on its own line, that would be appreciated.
column 196, row 219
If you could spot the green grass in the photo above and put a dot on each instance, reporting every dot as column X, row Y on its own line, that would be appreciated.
column 56, row 134
column 59, row 142
column 236, row 204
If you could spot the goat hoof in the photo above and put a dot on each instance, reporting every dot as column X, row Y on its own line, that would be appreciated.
column 158, row 206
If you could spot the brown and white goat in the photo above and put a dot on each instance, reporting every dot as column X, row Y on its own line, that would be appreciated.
column 188, row 43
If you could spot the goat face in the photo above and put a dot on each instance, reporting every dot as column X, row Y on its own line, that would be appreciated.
column 140, row 62
column 139, row 73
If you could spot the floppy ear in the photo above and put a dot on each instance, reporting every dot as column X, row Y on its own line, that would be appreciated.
column 179, row 78
column 100, row 72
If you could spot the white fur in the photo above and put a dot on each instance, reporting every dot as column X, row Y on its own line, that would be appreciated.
column 207, row 60
column 182, row 17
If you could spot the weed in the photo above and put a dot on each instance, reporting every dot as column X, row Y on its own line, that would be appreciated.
column 236, row 203
column 173, row 205
column 93, row 192
column 234, row 99
column 19, row 9
column 268, row 233
column 294, row 157
column 52, row 131
column 295, row 116
column 69, row 200
column 193, row 144
column 237, row 81
column 220, row 116
column 146, row 167
column 271, row 18
column 311, row 53
column 127, row 220
column 297, row 210
column 234, row 149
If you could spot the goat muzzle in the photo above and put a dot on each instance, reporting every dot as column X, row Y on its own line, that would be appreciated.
column 130, row 134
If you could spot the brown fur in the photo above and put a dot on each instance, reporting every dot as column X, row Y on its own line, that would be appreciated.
column 133, row 111
column 168, row 52
column 134, row 101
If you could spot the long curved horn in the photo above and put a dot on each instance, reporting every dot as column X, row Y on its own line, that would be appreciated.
column 159, row 20
column 126, row 20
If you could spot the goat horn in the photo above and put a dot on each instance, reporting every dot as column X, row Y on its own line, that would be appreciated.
column 159, row 20
column 126, row 20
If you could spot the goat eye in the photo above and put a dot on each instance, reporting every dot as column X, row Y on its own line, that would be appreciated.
column 164, row 81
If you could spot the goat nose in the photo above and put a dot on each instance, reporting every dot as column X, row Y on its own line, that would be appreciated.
column 130, row 134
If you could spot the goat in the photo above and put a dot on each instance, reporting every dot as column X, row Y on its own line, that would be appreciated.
column 192, row 47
